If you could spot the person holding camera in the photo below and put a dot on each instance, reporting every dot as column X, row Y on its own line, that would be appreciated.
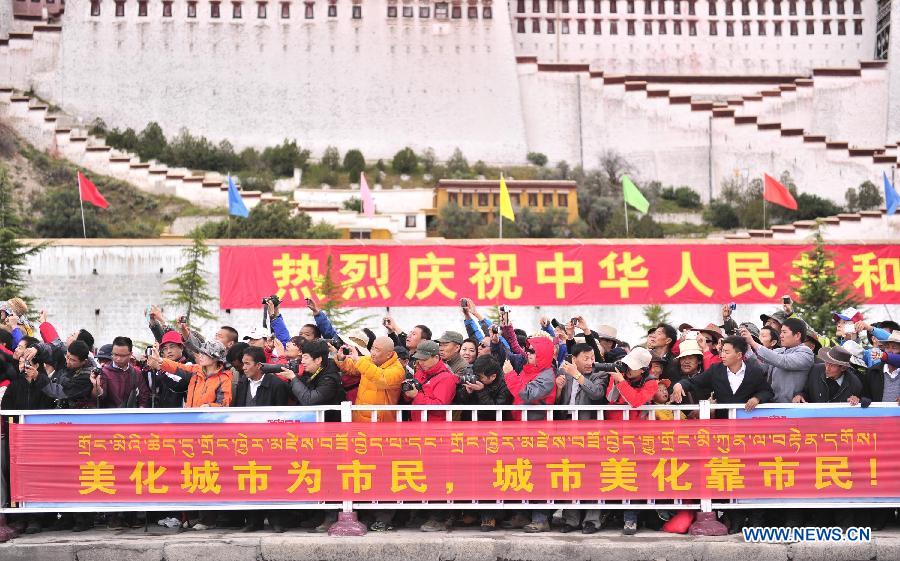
column 320, row 383
column 168, row 389
column 381, row 375
column 208, row 383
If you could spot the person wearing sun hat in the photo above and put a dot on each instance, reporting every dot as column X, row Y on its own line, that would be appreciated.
column 851, row 326
column 709, row 339
column 882, row 380
column 833, row 380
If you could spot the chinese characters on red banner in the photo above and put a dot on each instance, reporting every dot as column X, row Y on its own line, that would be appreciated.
column 545, row 275
column 583, row 460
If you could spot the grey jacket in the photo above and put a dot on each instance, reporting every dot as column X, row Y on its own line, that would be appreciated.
column 592, row 392
column 788, row 369
column 535, row 391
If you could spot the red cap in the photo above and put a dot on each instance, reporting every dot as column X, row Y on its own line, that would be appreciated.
column 172, row 337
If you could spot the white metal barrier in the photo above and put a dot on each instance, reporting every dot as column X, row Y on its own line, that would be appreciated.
column 705, row 411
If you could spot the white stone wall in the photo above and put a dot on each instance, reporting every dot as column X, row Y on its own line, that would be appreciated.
column 106, row 289
column 702, row 54
column 350, row 83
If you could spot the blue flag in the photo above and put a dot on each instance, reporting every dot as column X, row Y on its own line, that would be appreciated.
column 236, row 206
column 891, row 199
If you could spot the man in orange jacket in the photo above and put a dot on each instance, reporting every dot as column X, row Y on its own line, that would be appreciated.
column 381, row 375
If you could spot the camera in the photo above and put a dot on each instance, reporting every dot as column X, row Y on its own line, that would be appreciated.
column 275, row 300
column 732, row 306
column 495, row 330
column 309, row 301
column 555, row 323
column 148, row 351
column 182, row 319
column 410, row 384
column 785, row 299
column 573, row 321
column 463, row 303
column 345, row 350
column 621, row 367
column 293, row 365
column 468, row 379
column 337, row 342
column 504, row 309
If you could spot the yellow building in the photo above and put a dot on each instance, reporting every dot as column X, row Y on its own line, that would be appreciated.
column 484, row 196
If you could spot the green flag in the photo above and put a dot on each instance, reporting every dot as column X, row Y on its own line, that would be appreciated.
column 633, row 196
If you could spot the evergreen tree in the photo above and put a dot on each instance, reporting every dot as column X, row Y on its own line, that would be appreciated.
column 190, row 286
column 13, row 253
column 331, row 301
column 820, row 290
column 655, row 314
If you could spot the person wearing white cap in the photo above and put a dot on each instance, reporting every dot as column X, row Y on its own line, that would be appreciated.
column 882, row 381
column 851, row 326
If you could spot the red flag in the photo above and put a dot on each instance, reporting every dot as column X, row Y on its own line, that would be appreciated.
column 775, row 192
column 88, row 192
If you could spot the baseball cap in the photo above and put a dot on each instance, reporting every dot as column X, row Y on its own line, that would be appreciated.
column 257, row 333
column 638, row 358
column 402, row 352
column 171, row 337
column 451, row 337
column 426, row 350
column 847, row 314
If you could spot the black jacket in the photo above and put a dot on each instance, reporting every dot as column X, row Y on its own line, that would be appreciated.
column 495, row 393
column 165, row 390
column 816, row 390
column 272, row 392
column 715, row 380
column 325, row 388
column 22, row 394
column 68, row 389
column 873, row 382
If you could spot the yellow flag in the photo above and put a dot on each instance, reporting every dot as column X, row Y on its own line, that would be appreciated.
column 506, row 209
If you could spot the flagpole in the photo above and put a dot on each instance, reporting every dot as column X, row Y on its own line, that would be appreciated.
column 81, row 203
column 625, row 206
column 500, row 210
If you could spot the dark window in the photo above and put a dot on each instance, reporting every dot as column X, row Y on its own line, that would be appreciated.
column 857, row 27
column 761, row 8
column 826, row 7
column 456, row 12
column 424, row 12
column 563, row 199
column 631, row 27
column 565, row 6
column 612, row 6
column 810, row 27
column 532, row 199
column 520, row 6
column 496, row 199
column 411, row 221
column 564, row 27
column 536, row 6
column 356, row 12
column 761, row 28
column 841, row 7
column 360, row 234
column 309, row 10
column 261, row 10
column 598, row 27
column 597, row 7
column 826, row 27
column 629, row 6
column 745, row 28
column 520, row 25
column 692, row 7
column 142, row 9
column 661, row 7
column 776, row 7
column 809, row 7
column 842, row 27
column 482, row 199
column 613, row 27
column 472, row 12
column 579, row 6
column 285, row 10
column 551, row 27
column 676, row 27
column 729, row 28
column 214, row 10
column 535, row 26
column 452, row 198
column 515, row 199
column 236, row 10
column 794, row 30
column 712, row 7
column 777, row 31
column 192, row 10
column 713, row 29
column 392, row 11
column 676, row 7
column 95, row 7
column 167, row 9
column 467, row 199
column 792, row 7
column 648, row 7
column 692, row 28
column 547, row 200
column 332, row 10
column 662, row 27
column 729, row 8
column 745, row 7
column 551, row 6
column 581, row 27
column 408, row 11
column 441, row 10
column 857, row 7
column 120, row 9
column 487, row 12
column 648, row 28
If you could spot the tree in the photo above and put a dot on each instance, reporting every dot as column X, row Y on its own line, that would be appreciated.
column 152, row 142
column 355, row 164
column 353, row 203
column 457, row 222
column 721, row 215
column 551, row 223
column 331, row 159
column 869, row 196
column 331, row 301
column 536, row 158
column 61, row 217
column 428, row 159
column 190, row 287
column 270, row 221
column 13, row 253
column 654, row 314
column 639, row 226
column 821, row 288
column 282, row 159
column 852, row 200
column 405, row 161
column 457, row 165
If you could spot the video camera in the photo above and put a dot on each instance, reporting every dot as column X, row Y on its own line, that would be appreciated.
column 468, row 379
column 410, row 384
column 292, row 365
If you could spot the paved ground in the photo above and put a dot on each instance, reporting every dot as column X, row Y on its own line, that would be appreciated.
column 460, row 545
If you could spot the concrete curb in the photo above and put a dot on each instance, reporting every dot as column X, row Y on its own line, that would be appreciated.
column 460, row 545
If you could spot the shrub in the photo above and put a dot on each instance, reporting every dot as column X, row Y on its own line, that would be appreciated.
column 405, row 161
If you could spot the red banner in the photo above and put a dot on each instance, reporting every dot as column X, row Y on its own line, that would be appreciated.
column 439, row 275
column 821, row 458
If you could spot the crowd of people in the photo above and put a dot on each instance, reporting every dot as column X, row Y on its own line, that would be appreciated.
column 572, row 363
